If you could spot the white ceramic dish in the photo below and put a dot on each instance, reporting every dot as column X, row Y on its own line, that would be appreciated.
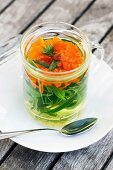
column 13, row 115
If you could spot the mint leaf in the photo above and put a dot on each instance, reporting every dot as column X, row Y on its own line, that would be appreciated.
column 42, row 63
column 53, row 65
column 48, row 50
column 59, row 93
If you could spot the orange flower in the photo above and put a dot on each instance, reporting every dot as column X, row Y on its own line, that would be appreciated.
column 66, row 53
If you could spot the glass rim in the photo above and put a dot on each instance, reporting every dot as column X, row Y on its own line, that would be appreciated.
column 50, row 72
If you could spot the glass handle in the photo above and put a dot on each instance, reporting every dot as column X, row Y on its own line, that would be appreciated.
column 8, row 47
column 100, row 57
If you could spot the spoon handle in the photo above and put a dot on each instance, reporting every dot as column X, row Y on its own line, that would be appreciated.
column 6, row 135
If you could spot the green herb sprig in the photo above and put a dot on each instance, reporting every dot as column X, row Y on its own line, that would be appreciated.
column 53, row 65
column 42, row 63
column 67, row 98
column 48, row 50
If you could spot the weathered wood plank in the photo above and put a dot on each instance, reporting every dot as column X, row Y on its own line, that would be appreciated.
column 90, row 158
column 110, row 165
column 4, row 147
column 65, row 11
column 3, row 4
column 97, row 19
column 19, row 14
column 23, row 158
column 108, row 46
column 21, row 20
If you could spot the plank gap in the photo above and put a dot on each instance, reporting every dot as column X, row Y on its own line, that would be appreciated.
column 10, row 3
column 8, row 153
column 83, row 12
column 105, row 165
column 106, row 34
column 35, row 18
column 55, row 161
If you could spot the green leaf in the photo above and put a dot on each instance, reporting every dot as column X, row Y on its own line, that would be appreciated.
column 72, row 105
column 72, row 86
column 78, row 126
column 53, row 65
column 48, row 50
column 62, row 106
column 42, row 63
column 48, row 101
column 59, row 93
column 48, row 89
column 41, row 102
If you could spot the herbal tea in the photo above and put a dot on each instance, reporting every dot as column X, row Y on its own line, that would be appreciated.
column 57, row 100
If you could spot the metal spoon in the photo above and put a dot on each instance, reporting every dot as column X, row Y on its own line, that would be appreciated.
column 70, row 129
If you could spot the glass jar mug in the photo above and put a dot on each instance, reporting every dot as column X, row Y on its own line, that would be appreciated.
column 53, row 98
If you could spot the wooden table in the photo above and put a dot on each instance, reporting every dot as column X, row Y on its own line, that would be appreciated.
column 96, row 19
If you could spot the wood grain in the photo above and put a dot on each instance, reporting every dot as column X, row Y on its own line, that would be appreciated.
column 90, row 158
column 110, row 166
column 23, row 158
column 65, row 11
column 4, row 147
column 108, row 46
column 3, row 4
column 97, row 19
column 18, row 15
